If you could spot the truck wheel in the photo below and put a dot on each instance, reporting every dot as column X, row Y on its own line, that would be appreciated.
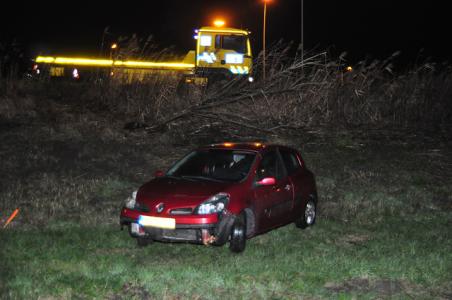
column 237, row 241
column 308, row 216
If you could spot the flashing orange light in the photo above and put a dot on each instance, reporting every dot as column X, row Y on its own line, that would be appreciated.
column 349, row 69
column 114, row 46
column 228, row 144
column 257, row 144
column 219, row 23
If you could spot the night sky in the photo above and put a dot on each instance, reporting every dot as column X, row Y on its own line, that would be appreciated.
column 372, row 29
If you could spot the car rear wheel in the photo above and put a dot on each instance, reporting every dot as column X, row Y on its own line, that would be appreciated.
column 309, row 214
column 237, row 241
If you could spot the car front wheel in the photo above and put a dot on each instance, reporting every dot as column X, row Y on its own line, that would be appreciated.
column 237, row 241
column 143, row 242
column 309, row 214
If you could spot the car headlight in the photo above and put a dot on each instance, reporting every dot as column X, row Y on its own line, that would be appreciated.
column 214, row 204
column 131, row 201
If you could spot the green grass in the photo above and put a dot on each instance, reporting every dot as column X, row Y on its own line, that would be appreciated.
column 383, row 227
column 67, row 260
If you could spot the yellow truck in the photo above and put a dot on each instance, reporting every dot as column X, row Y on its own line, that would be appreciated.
column 220, row 53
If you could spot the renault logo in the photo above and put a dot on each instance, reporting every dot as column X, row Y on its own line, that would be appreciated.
column 160, row 207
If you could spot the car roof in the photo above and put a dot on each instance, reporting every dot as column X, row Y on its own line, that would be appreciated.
column 247, row 146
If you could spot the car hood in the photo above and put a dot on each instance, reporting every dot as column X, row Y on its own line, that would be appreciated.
column 179, row 192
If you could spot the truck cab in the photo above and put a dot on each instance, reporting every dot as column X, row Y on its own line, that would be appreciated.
column 222, row 52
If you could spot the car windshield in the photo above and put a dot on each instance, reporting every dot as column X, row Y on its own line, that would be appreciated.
column 214, row 164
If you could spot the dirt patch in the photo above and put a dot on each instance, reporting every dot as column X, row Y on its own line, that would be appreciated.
column 132, row 291
column 353, row 239
column 381, row 287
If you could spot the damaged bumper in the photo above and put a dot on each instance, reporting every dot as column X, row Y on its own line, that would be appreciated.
column 214, row 229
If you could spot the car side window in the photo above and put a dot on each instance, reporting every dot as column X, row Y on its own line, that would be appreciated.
column 290, row 160
column 270, row 166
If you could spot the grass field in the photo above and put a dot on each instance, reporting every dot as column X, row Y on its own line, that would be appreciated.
column 379, row 145
column 383, row 228
column 408, row 258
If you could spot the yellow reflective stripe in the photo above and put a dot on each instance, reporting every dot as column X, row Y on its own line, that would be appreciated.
column 233, row 69
column 224, row 31
column 82, row 61
column 239, row 69
column 148, row 64
column 109, row 63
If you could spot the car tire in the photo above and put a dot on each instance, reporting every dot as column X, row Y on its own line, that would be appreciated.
column 237, row 240
column 143, row 242
column 308, row 216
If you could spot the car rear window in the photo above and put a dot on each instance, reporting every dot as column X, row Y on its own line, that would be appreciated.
column 290, row 160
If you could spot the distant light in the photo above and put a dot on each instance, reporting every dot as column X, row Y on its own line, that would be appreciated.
column 228, row 144
column 257, row 144
column 114, row 46
column 349, row 69
column 250, row 79
column 219, row 23
column 75, row 74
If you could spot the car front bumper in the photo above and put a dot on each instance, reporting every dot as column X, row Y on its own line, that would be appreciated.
column 205, row 229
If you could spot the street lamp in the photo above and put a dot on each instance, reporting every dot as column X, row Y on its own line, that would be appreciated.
column 263, row 35
column 113, row 47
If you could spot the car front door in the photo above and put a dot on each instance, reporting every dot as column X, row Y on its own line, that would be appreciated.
column 272, row 202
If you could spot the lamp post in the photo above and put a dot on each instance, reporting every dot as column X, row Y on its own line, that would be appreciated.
column 263, row 36
column 302, row 34
column 113, row 48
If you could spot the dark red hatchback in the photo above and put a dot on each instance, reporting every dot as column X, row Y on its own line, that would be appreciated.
column 223, row 193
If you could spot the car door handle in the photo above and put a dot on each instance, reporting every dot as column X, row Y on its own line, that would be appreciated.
column 287, row 187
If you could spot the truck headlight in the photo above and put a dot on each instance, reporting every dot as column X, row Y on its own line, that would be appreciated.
column 214, row 204
column 131, row 200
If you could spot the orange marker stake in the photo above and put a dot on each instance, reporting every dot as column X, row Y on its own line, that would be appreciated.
column 13, row 215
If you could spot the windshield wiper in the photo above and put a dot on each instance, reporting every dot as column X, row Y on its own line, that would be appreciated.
column 201, row 177
column 171, row 176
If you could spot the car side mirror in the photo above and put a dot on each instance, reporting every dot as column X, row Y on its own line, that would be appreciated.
column 159, row 173
column 266, row 181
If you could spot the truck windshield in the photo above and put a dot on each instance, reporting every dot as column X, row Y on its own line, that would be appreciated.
column 231, row 42
column 214, row 164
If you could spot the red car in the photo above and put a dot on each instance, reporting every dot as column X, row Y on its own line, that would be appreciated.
column 223, row 193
